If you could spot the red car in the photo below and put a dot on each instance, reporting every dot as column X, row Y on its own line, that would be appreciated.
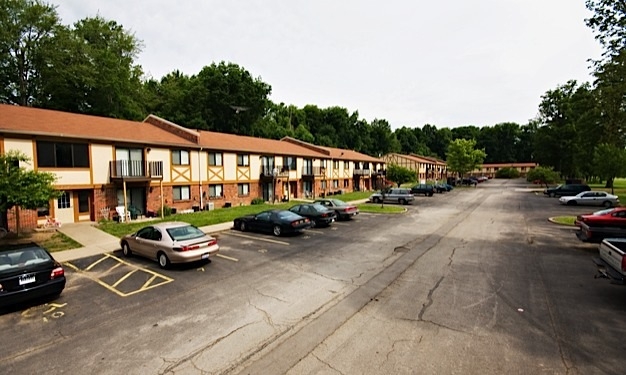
column 611, row 217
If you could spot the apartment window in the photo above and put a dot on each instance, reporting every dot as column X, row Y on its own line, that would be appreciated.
column 346, row 183
column 335, row 184
column 62, row 155
column 216, row 191
column 181, row 193
column 335, row 164
column 180, row 157
column 366, row 165
column 64, row 200
column 243, row 160
column 289, row 162
column 324, row 184
column 43, row 211
column 215, row 159
column 346, row 165
column 243, row 189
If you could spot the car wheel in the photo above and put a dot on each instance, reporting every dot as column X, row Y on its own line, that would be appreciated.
column 376, row 200
column 313, row 223
column 430, row 194
column 571, row 203
column 551, row 195
column 242, row 226
column 126, row 250
column 277, row 230
column 402, row 201
column 164, row 261
column 607, row 204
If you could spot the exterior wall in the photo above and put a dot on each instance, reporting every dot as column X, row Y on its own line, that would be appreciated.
column 229, row 161
column 28, row 219
column 101, row 155
column 164, row 155
column 25, row 146
column 74, row 176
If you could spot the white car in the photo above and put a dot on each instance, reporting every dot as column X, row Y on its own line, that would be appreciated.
column 591, row 198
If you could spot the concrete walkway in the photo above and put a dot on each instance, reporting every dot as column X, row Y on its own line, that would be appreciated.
column 96, row 242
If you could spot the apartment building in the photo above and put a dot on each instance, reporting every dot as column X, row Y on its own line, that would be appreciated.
column 425, row 168
column 491, row 169
column 103, row 163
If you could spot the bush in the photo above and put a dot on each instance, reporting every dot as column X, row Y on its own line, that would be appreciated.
column 258, row 201
column 167, row 211
column 507, row 172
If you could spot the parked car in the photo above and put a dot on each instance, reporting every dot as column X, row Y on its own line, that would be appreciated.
column 611, row 217
column 591, row 198
column 170, row 242
column 566, row 190
column 342, row 209
column 28, row 272
column 276, row 222
column 395, row 195
column 316, row 213
column 448, row 187
column 469, row 181
column 440, row 188
column 426, row 189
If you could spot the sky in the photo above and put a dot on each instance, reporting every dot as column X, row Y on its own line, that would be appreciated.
column 411, row 62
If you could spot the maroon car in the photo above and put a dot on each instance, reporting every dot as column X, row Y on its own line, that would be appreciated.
column 611, row 217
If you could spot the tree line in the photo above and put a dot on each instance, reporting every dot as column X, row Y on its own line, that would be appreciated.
column 90, row 67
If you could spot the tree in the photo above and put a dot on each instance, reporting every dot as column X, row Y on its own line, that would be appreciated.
column 23, row 188
column 27, row 28
column 462, row 156
column 545, row 175
column 400, row 175
column 610, row 162
column 507, row 172
column 609, row 24
column 383, row 139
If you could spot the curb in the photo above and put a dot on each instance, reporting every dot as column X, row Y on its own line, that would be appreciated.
column 551, row 219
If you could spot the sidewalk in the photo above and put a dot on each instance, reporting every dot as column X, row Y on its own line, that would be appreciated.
column 97, row 242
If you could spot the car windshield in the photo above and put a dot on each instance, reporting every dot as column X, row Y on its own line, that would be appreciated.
column 604, row 212
column 187, row 232
column 287, row 215
column 337, row 202
column 13, row 260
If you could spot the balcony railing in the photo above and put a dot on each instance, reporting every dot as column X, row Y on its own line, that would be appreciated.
column 362, row 172
column 136, row 169
column 313, row 171
column 380, row 172
column 276, row 171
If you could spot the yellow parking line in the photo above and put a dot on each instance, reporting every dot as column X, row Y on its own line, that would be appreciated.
column 227, row 257
column 70, row 265
column 139, row 268
column 150, row 280
column 92, row 265
column 313, row 231
column 121, row 279
column 256, row 238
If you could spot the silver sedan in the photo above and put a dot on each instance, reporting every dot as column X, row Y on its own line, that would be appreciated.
column 170, row 242
column 591, row 198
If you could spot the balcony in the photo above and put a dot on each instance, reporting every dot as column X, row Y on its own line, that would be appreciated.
column 380, row 172
column 276, row 171
column 136, row 170
column 313, row 171
column 362, row 172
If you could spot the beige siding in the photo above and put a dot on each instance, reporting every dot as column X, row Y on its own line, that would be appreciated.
column 164, row 155
column 73, row 177
column 101, row 155
column 24, row 146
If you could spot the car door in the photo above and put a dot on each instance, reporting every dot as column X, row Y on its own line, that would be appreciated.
column 262, row 222
column 140, row 243
column 392, row 196
column 154, row 243
column 598, row 198
column 585, row 199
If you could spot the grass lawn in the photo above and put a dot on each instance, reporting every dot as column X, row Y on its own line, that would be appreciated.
column 375, row 208
column 354, row 196
column 58, row 242
column 565, row 220
column 619, row 188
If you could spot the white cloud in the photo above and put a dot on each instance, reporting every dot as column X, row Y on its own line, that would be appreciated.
column 446, row 63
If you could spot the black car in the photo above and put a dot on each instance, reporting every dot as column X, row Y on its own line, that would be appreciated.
column 566, row 190
column 426, row 189
column 318, row 214
column 273, row 221
column 28, row 271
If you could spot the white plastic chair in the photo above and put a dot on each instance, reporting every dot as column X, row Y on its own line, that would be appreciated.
column 123, row 214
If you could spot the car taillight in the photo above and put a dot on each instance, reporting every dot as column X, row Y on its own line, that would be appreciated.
column 324, row 215
column 212, row 242
column 57, row 272
column 0, row 287
column 188, row 248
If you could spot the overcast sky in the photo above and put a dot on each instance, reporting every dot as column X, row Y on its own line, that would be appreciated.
column 411, row 62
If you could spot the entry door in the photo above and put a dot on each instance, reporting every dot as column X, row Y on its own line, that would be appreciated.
column 268, row 191
column 64, row 208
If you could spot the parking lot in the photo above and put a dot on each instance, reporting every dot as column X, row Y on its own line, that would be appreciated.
column 262, row 291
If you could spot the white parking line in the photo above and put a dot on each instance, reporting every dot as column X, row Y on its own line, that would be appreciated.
column 256, row 238
column 313, row 231
column 227, row 257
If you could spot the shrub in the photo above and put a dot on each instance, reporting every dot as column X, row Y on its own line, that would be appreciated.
column 167, row 211
column 507, row 172
column 258, row 201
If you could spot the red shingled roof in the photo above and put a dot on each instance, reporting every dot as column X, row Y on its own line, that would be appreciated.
column 35, row 121
column 333, row 152
column 233, row 142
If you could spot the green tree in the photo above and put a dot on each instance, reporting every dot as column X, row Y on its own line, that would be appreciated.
column 507, row 172
column 610, row 162
column 383, row 139
column 462, row 156
column 400, row 175
column 609, row 23
column 545, row 175
column 21, row 187
column 27, row 28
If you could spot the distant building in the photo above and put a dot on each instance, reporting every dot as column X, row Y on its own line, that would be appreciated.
column 490, row 170
column 425, row 167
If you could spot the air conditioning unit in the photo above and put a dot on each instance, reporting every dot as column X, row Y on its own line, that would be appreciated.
column 210, row 206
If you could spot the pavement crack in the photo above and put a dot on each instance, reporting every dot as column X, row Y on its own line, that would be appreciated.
column 269, row 296
column 451, row 256
column 267, row 317
column 327, row 364
column 430, row 299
